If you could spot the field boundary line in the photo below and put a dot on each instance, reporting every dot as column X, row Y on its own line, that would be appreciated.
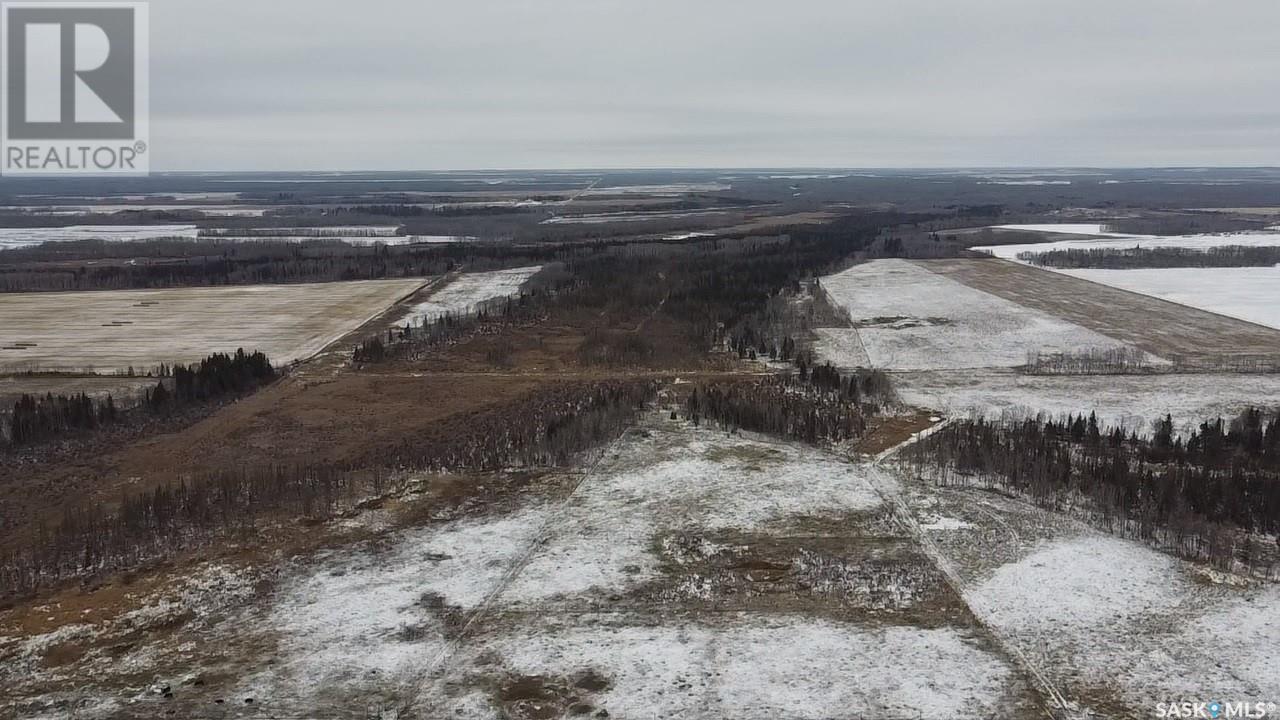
column 882, row 486
column 439, row 664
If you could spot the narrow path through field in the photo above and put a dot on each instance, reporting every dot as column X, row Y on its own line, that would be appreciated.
column 889, row 489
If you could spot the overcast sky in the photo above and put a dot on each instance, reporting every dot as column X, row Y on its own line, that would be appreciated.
column 377, row 84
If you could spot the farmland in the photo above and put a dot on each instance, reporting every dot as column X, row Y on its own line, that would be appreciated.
column 113, row 331
column 1245, row 293
column 633, row 486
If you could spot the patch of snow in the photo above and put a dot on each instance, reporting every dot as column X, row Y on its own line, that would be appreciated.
column 944, row 523
column 1094, row 611
column 681, row 480
column 1025, row 182
column 1081, row 583
column 754, row 668
column 1063, row 228
column 1132, row 401
column 673, row 188
column 841, row 347
column 25, row 237
column 341, row 621
column 467, row 291
column 1120, row 241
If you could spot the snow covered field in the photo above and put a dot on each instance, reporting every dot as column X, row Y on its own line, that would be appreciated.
column 24, row 237
column 671, row 189
column 208, row 210
column 1116, row 241
column 1130, row 400
column 563, row 587
column 113, row 329
column 468, row 290
column 639, row 216
column 1247, row 293
column 909, row 318
column 1064, row 228
column 687, row 573
column 1115, row 626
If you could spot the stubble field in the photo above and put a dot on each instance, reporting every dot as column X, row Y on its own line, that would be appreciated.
column 110, row 331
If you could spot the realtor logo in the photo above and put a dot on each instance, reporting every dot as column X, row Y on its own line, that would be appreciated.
column 75, row 88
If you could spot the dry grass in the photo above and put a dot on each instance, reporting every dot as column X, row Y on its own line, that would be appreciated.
column 111, row 330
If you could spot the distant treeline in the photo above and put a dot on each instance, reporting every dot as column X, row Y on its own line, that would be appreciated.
column 720, row 292
column 1182, row 224
column 36, row 420
column 1214, row 495
column 99, row 265
column 1158, row 257
column 545, row 429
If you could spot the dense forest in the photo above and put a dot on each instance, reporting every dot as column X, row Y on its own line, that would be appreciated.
column 718, row 290
column 1159, row 257
column 1212, row 495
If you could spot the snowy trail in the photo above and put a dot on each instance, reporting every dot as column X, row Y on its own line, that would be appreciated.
column 890, row 491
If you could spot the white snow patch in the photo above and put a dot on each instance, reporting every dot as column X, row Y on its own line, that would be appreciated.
column 1079, row 584
column 339, row 620
column 758, row 668
column 603, row 540
column 1120, row 241
column 1129, row 400
column 944, row 523
column 1064, row 228
column 841, row 346
column 24, row 237
column 1097, row 611
column 469, row 290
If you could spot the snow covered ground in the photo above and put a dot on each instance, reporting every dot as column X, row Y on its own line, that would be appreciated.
column 208, row 210
column 1064, row 228
column 24, row 237
column 1118, row 241
column 605, row 596
column 672, row 189
column 1130, row 400
column 1114, row 626
column 1247, row 293
column 638, row 216
column 468, row 290
column 909, row 318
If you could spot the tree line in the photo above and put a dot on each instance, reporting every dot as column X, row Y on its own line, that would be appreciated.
column 547, row 428
column 1213, row 495
column 35, row 420
column 1223, row 256
column 818, row 405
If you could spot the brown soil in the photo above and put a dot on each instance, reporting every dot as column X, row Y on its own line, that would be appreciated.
column 890, row 431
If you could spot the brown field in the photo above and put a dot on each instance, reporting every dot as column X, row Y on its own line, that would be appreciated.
column 110, row 331
column 13, row 387
column 1160, row 327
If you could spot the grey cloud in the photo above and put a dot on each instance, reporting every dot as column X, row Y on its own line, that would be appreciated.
column 316, row 84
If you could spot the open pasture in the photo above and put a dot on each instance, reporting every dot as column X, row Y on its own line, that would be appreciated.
column 110, row 331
